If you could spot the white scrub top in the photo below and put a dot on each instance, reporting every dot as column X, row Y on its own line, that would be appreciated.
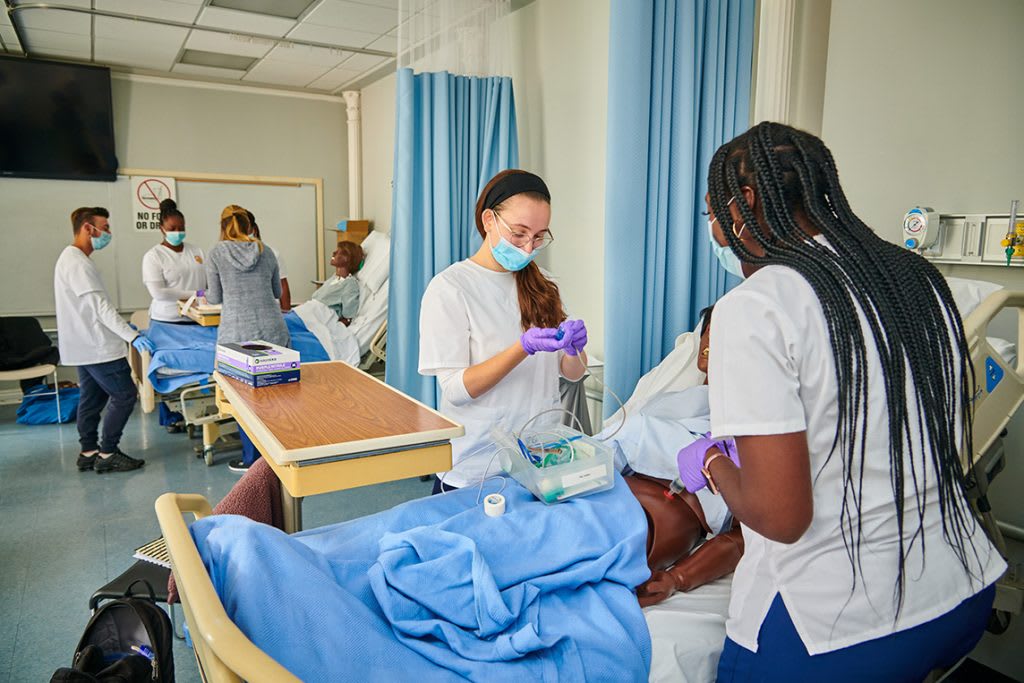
column 89, row 329
column 468, row 315
column 169, row 276
column 281, row 267
column 772, row 372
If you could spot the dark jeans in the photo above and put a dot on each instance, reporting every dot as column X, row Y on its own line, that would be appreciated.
column 104, row 384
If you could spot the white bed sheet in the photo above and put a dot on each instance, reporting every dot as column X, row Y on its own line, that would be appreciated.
column 687, row 633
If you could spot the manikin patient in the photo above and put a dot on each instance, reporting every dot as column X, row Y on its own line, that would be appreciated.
column 341, row 292
column 678, row 523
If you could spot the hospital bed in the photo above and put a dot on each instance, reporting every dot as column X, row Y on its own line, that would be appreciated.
column 179, row 372
column 194, row 398
column 688, row 629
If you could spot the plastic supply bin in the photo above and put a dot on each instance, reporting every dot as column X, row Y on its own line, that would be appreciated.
column 576, row 464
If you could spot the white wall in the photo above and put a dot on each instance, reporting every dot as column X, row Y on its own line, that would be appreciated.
column 159, row 125
column 378, row 102
column 922, row 106
column 560, row 75
column 560, row 78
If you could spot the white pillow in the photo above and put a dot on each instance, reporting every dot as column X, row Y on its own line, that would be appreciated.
column 377, row 262
column 969, row 294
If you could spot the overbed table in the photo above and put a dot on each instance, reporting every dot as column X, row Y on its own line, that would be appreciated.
column 337, row 428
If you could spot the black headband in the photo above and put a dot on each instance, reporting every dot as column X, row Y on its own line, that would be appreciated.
column 513, row 184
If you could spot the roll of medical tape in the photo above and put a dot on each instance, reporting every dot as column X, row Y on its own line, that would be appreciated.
column 494, row 505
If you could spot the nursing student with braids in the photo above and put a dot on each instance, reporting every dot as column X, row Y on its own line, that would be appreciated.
column 840, row 367
column 489, row 327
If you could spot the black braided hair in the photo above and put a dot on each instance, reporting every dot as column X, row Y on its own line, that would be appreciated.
column 169, row 209
column 793, row 171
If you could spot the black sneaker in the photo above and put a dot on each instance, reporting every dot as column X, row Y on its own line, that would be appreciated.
column 85, row 462
column 118, row 462
column 238, row 466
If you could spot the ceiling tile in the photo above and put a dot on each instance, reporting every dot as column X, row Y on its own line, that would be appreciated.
column 209, row 41
column 217, row 60
column 8, row 34
column 142, row 55
column 386, row 43
column 138, row 31
column 353, row 16
column 53, row 20
column 211, row 71
column 245, row 21
column 159, row 9
column 291, row 9
column 390, row 4
column 40, row 39
column 301, row 54
column 361, row 63
column 332, row 35
column 284, row 73
column 335, row 78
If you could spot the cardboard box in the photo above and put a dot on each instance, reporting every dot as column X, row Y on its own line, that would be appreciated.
column 258, row 363
column 258, row 380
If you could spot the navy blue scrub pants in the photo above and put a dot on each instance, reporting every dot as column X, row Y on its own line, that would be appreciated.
column 106, row 385
column 905, row 656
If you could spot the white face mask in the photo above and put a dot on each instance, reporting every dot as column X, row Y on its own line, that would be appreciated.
column 725, row 255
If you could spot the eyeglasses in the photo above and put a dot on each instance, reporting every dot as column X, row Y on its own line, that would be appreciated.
column 521, row 239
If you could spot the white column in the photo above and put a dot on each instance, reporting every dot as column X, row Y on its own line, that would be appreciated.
column 774, row 61
column 355, row 154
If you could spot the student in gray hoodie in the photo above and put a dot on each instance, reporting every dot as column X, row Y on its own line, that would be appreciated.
column 244, row 276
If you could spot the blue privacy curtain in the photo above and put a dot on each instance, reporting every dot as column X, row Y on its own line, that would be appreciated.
column 678, row 87
column 452, row 134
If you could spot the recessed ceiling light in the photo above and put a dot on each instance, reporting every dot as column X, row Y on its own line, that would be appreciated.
column 289, row 9
column 223, row 61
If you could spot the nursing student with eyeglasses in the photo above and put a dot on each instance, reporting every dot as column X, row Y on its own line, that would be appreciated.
column 494, row 331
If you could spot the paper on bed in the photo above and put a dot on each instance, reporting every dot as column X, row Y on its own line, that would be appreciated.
column 688, row 632
column 435, row 590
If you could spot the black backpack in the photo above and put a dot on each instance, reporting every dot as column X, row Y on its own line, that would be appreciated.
column 105, row 651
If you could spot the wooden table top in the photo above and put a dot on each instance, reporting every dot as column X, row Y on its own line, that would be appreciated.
column 334, row 409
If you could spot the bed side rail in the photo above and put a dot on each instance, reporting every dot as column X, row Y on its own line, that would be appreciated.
column 225, row 655
column 999, row 388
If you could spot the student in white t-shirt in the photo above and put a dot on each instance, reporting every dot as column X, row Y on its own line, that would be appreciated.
column 489, row 328
column 173, row 269
column 93, row 337
column 286, row 292
column 863, row 560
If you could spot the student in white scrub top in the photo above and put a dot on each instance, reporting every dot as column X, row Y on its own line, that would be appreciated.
column 489, row 328
column 863, row 561
column 93, row 337
column 173, row 269
column 286, row 292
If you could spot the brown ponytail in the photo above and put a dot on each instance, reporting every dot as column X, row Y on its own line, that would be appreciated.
column 540, row 304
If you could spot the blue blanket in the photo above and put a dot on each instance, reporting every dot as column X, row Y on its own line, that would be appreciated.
column 434, row 590
column 192, row 348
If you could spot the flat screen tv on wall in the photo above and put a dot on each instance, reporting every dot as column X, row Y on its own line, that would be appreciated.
column 56, row 121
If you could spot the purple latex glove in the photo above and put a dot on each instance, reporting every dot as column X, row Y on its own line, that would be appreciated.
column 574, row 336
column 542, row 339
column 200, row 293
column 691, row 460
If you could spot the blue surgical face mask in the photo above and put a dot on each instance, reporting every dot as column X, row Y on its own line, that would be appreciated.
column 102, row 240
column 509, row 256
column 725, row 255
column 176, row 238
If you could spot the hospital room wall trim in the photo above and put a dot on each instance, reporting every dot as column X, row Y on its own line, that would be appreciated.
column 275, row 181
column 164, row 81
